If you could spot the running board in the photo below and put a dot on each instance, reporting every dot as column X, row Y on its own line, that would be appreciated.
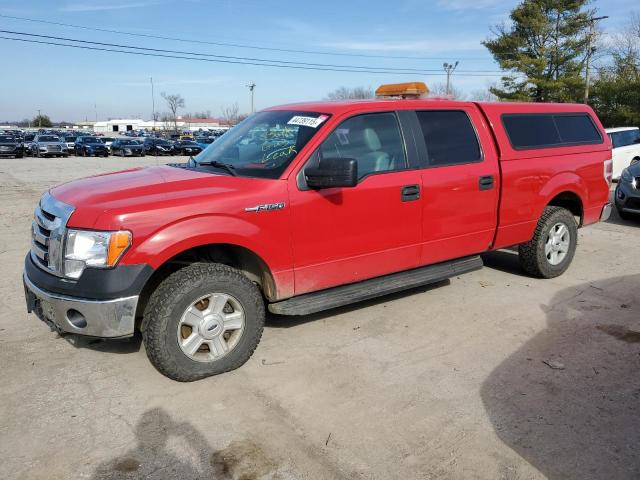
column 375, row 287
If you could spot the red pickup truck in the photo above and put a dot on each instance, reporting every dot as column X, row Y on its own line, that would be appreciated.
column 307, row 207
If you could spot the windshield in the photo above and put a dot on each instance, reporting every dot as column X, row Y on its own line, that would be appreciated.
column 6, row 138
column 264, row 144
column 69, row 139
column 48, row 138
column 128, row 142
column 91, row 140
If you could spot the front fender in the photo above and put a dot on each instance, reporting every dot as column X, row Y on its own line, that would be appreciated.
column 270, row 242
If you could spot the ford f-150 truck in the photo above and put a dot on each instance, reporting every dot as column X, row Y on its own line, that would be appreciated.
column 306, row 207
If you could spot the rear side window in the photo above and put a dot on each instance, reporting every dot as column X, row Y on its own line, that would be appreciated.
column 550, row 130
column 450, row 137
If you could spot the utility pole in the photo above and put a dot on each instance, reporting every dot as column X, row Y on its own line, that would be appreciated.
column 153, row 105
column 39, row 120
column 449, row 69
column 252, row 87
column 590, row 51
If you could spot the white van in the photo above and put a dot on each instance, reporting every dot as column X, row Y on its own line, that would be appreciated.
column 626, row 147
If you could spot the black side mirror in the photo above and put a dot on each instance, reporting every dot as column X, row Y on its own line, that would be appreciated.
column 333, row 172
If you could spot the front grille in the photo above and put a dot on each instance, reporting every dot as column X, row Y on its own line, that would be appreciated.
column 633, row 202
column 47, row 233
column 5, row 148
column 54, row 148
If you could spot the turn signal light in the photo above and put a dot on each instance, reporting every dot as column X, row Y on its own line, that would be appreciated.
column 118, row 243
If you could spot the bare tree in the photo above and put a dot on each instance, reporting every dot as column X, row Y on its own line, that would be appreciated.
column 440, row 90
column 174, row 101
column 345, row 93
column 482, row 95
column 231, row 114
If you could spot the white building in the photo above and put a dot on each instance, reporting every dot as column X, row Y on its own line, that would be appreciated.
column 118, row 126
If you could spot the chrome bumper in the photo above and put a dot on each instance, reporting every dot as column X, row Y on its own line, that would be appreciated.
column 95, row 318
column 606, row 212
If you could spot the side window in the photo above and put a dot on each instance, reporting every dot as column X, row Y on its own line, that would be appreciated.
column 547, row 130
column 450, row 137
column 374, row 140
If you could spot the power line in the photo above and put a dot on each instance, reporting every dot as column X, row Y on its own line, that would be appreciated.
column 230, row 57
column 225, row 44
column 217, row 60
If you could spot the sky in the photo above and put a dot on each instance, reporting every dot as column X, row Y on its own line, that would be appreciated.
column 76, row 84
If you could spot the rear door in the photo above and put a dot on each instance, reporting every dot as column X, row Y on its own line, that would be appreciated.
column 342, row 235
column 460, row 183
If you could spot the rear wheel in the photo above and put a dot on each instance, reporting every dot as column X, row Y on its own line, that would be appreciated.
column 550, row 252
column 203, row 320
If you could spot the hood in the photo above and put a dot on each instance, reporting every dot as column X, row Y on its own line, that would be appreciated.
column 149, row 194
column 50, row 143
column 634, row 169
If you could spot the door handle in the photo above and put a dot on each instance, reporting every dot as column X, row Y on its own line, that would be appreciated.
column 410, row 193
column 486, row 182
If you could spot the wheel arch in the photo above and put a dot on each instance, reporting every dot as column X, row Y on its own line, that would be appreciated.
column 236, row 256
column 571, row 201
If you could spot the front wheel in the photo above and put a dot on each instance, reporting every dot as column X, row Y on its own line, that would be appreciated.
column 202, row 320
column 550, row 252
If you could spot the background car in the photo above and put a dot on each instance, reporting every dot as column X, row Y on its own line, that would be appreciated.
column 204, row 142
column 27, row 142
column 108, row 141
column 626, row 147
column 158, row 146
column 127, row 147
column 186, row 147
column 10, row 146
column 70, row 141
column 627, row 193
column 48, row 145
column 88, row 146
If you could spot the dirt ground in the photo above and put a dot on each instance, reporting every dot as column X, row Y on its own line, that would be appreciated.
column 445, row 382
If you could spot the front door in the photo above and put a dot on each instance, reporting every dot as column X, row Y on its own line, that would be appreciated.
column 343, row 235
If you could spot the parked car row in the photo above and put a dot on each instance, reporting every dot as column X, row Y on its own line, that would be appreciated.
column 62, row 144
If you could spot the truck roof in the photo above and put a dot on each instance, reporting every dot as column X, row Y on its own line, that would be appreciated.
column 341, row 106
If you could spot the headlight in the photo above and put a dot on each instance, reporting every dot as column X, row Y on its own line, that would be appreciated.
column 85, row 248
column 626, row 176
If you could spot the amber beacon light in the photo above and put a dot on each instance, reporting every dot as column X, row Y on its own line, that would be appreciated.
column 403, row 90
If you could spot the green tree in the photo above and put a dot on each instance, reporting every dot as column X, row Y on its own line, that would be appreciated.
column 616, row 89
column 543, row 50
column 41, row 121
column 616, row 92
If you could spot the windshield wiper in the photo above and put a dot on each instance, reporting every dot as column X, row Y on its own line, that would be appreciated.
column 214, row 163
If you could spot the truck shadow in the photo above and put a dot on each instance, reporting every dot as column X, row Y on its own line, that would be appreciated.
column 505, row 260
column 567, row 401
column 125, row 345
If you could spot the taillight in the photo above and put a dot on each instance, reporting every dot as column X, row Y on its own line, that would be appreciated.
column 608, row 171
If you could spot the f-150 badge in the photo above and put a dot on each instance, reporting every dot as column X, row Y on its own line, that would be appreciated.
column 265, row 207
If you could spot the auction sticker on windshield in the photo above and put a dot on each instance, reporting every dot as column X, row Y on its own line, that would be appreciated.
column 303, row 121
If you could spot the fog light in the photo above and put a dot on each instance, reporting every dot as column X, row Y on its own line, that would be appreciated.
column 76, row 318
column 620, row 195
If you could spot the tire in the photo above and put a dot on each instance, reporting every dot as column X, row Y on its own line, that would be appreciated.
column 533, row 257
column 162, row 329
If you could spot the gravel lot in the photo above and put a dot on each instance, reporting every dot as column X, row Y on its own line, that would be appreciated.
column 445, row 382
